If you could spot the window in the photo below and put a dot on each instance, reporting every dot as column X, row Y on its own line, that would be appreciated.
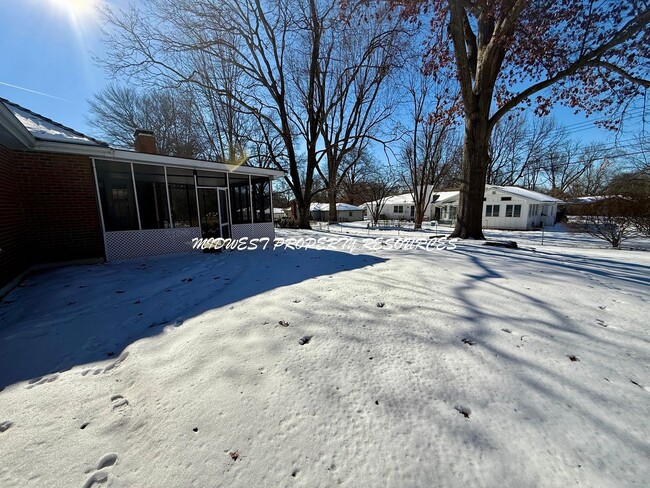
column 349, row 214
column 506, row 199
column 152, row 196
column 240, row 202
column 183, row 197
column 492, row 210
column 508, row 210
column 398, row 209
column 115, row 182
column 261, row 187
column 516, row 211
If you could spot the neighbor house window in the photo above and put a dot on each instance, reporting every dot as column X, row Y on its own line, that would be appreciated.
column 261, row 188
column 492, row 210
column 240, row 200
column 115, row 182
column 398, row 209
column 152, row 196
column 183, row 197
column 516, row 212
column 508, row 210
column 506, row 199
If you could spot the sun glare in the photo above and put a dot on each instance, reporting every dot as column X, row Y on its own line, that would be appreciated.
column 77, row 10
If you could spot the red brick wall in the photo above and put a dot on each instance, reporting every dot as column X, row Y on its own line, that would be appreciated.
column 12, row 258
column 58, row 213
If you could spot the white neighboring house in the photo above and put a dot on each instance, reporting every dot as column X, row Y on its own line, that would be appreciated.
column 344, row 212
column 504, row 207
column 398, row 207
column 402, row 207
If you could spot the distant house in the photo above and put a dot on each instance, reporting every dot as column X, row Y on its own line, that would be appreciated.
column 402, row 207
column 398, row 207
column 67, row 197
column 504, row 207
column 344, row 212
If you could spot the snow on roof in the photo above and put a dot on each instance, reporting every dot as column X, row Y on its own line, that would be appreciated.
column 590, row 199
column 324, row 207
column 45, row 129
column 523, row 193
column 444, row 196
column 403, row 199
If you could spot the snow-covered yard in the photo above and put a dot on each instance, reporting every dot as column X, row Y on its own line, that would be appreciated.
column 469, row 367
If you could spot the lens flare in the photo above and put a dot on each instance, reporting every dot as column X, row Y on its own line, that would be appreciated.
column 77, row 10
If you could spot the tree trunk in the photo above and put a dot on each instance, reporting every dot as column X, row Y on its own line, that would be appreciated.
column 331, row 198
column 473, row 175
column 303, row 214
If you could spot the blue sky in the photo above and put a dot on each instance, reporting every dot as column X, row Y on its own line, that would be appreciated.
column 48, row 47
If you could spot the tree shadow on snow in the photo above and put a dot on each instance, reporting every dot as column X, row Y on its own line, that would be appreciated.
column 77, row 315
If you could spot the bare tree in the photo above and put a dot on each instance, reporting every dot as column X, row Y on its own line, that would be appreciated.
column 379, row 186
column 611, row 219
column 569, row 164
column 504, row 53
column 274, row 61
column 359, row 54
column 424, row 155
column 517, row 146
column 182, row 42
column 117, row 111
column 352, row 188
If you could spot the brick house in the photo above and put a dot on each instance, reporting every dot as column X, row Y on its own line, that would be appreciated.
column 68, row 198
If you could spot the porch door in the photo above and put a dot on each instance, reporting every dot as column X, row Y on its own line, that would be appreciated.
column 213, row 212
column 209, row 213
column 224, row 213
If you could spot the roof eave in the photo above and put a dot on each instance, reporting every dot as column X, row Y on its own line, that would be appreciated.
column 9, row 121
column 99, row 152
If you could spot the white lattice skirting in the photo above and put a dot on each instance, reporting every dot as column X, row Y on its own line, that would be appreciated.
column 265, row 229
column 138, row 243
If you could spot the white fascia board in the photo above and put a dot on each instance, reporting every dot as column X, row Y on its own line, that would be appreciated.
column 71, row 148
column 9, row 121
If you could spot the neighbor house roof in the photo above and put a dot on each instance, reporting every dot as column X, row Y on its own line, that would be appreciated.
column 325, row 207
column 403, row 199
column 523, row 193
column 445, row 196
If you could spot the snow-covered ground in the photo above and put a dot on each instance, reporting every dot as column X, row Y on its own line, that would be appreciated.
column 469, row 367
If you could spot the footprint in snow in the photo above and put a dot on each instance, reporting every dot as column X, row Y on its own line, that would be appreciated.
column 101, row 475
column 466, row 411
column 41, row 380
column 304, row 340
column 119, row 402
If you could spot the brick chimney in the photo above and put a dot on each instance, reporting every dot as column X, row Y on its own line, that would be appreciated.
column 145, row 141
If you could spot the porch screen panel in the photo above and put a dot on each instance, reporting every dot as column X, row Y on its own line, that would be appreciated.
column 115, row 183
column 240, row 201
column 152, row 196
column 211, row 179
column 261, row 188
column 182, row 193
